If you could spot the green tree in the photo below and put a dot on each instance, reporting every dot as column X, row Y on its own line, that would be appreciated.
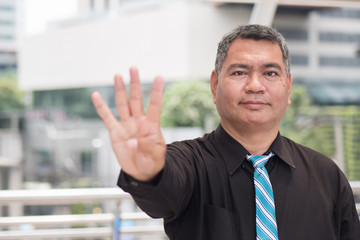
column 188, row 103
column 307, row 124
column 11, row 98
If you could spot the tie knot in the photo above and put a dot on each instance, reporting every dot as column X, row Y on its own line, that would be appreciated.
column 259, row 161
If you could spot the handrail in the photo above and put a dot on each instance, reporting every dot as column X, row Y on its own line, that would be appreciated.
column 59, row 226
column 66, row 219
column 355, row 185
column 80, row 232
column 61, row 196
column 97, row 225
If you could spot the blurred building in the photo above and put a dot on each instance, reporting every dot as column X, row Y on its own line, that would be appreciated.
column 11, row 13
column 178, row 39
column 11, row 25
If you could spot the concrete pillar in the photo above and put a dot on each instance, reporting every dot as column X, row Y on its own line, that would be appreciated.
column 313, row 44
column 263, row 12
column 339, row 143
column 15, row 182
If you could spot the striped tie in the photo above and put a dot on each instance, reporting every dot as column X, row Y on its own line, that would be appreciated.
column 266, row 227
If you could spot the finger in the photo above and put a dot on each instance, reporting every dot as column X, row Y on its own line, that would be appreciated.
column 121, row 99
column 103, row 111
column 156, row 98
column 136, row 102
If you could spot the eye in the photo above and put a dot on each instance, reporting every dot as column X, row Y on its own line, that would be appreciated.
column 271, row 74
column 238, row 73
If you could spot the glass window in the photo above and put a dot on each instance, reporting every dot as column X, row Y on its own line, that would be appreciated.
column 294, row 34
column 300, row 60
column 341, row 13
column 340, row 61
column 86, row 159
column 6, row 22
column 7, row 8
column 7, row 37
column 339, row 37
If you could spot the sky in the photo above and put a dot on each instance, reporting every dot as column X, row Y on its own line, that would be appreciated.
column 38, row 13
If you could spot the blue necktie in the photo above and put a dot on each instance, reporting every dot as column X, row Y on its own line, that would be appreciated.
column 266, row 227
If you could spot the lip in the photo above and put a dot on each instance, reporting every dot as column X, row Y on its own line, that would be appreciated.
column 254, row 105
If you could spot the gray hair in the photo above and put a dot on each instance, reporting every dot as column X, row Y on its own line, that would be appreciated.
column 254, row 32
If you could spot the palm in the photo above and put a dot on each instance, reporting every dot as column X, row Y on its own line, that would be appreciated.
column 136, row 140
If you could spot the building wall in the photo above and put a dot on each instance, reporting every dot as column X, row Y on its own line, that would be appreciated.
column 176, row 40
column 327, row 41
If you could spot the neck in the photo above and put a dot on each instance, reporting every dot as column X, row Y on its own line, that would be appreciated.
column 255, row 141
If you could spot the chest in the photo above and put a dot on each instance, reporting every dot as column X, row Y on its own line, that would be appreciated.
column 302, row 201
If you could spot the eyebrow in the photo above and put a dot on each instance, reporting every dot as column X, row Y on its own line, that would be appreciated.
column 244, row 66
column 273, row 65
column 238, row 65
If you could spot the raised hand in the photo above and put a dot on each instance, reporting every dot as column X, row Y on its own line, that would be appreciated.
column 136, row 139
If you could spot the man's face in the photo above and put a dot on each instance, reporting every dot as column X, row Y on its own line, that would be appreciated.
column 252, row 89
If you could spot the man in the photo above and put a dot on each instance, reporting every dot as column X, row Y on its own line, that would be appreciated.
column 204, row 188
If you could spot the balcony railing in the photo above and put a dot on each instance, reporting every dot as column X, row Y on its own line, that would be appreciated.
column 99, row 225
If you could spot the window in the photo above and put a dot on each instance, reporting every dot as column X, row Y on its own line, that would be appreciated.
column 6, row 37
column 341, row 13
column 339, row 37
column 7, row 8
column 86, row 159
column 300, row 60
column 339, row 62
column 294, row 34
column 6, row 22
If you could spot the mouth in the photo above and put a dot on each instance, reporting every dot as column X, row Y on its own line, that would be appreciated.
column 254, row 104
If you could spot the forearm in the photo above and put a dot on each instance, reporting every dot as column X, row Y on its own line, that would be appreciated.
column 168, row 194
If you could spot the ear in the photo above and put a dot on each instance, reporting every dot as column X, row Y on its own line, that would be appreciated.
column 214, row 84
column 289, row 88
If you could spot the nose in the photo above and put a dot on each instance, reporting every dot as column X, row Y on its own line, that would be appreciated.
column 254, row 84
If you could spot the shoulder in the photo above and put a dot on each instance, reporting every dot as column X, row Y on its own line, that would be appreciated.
column 315, row 164
column 304, row 153
column 190, row 145
column 192, row 150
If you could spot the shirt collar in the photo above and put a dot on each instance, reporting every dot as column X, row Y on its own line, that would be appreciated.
column 234, row 153
column 281, row 149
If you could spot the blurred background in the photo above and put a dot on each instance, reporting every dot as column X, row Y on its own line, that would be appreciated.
column 54, row 54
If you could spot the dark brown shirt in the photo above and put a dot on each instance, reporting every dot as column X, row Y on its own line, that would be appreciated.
column 206, row 191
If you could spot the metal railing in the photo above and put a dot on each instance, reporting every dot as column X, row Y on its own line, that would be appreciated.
column 355, row 185
column 66, row 226
column 99, row 225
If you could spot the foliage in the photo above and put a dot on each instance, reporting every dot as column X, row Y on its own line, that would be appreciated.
column 75, row 102
column 313, row 126
column 188, row 103
column 304, row 123
column 11, row 98
column 350, row 120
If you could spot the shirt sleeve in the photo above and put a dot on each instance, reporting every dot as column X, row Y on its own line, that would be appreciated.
column 350, row 224
column 169, row 193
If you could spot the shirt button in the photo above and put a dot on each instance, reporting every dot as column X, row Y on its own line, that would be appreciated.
column 134, row 183
column 243, row 165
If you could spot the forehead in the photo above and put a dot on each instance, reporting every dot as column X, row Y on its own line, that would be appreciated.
column 254, row 49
